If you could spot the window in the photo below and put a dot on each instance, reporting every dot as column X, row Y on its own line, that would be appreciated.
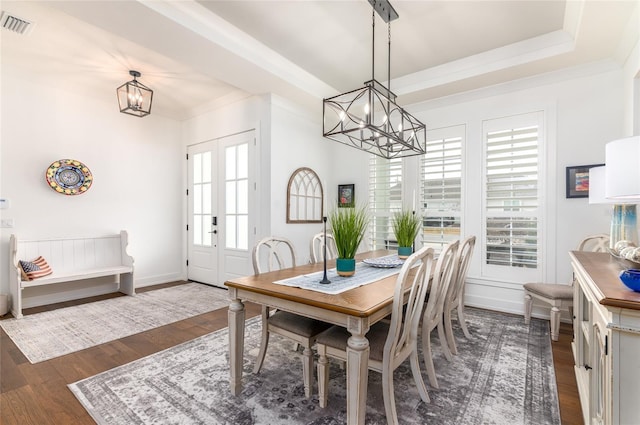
column 385, row 197
column 237, row 196
column 202, row 199
column 441, row 186
column 512, row 193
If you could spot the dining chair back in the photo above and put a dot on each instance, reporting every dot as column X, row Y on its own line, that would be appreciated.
column 559, row 295
column 455, row 295
column 433, row 312
column 316, row 248
column 390, row 342
column 275, row 253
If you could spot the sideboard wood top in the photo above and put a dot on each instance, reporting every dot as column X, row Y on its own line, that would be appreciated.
column 603, row 269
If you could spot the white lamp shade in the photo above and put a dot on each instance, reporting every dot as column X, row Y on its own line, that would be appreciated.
column 597, row 186
column 622, row 180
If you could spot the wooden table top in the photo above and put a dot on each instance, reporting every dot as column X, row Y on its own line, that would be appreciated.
column 603, row 269
column 361, row 301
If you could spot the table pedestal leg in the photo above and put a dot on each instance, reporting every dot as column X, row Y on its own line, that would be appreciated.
column 236, row 344
column 357, row 372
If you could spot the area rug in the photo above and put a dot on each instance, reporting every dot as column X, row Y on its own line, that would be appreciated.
column 54, row 333
column 504, row 375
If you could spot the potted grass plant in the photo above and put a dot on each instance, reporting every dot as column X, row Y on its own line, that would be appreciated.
column 348, row 226
column 405, row 227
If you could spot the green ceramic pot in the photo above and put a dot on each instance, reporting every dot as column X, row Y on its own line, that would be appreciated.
column 346, row 266
column 405, row 251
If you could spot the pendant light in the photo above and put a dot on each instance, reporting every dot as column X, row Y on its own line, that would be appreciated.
column 369, row 118
column 134, row 97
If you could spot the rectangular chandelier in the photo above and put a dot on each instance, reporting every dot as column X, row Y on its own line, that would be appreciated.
column 369, row 118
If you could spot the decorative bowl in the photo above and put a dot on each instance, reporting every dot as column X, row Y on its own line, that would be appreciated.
column 631, row 279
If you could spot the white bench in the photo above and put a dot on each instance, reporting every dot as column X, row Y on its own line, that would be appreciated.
column 70, row 260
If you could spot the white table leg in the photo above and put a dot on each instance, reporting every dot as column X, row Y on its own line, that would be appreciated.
column 357, row 371
column 236, row 342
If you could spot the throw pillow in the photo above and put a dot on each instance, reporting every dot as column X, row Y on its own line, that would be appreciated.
column 35, row 269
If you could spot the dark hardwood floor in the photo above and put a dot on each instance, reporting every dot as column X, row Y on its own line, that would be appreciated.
column 37, row 394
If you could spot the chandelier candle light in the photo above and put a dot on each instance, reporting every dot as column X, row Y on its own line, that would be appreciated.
column 369, row 118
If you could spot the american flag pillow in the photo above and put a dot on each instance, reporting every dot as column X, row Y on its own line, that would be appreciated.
column 36, row 268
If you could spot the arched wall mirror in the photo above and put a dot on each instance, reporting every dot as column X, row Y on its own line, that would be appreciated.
column 304, row 197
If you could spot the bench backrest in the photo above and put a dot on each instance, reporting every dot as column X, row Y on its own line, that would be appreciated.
column 75, row 254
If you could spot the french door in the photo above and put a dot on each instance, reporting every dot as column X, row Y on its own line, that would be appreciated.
column 220, row 226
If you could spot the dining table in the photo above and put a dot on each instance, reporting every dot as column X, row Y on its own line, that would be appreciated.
column 355, row 309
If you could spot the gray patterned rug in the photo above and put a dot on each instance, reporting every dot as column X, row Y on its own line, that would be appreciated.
column 54, row 333
column 504, row 375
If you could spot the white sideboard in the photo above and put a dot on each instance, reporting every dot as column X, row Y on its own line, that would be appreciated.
column 606, row 344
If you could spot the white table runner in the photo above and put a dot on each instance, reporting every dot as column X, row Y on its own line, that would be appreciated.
column 364, row 275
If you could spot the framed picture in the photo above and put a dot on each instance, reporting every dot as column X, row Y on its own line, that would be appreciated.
column 578, row 181
column 346, row 195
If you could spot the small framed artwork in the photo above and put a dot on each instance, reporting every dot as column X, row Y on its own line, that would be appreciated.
column 578, row 181
column 346, row 195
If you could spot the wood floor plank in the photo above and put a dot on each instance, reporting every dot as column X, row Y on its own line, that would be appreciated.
column 38, row 394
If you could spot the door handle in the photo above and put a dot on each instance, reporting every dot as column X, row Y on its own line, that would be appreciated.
column 214, row 231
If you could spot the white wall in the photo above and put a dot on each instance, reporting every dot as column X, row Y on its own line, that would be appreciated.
column 296, row 141
column 134, row 161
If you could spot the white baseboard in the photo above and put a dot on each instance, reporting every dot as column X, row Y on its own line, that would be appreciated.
column 158, row 279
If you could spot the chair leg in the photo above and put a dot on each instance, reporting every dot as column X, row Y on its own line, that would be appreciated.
column 463, row 321
column 428, row 357
column 307, row 371
column 417, row 377
column 555, row 323
column 528, row 303
column 264, row 341
column 323, row 375
column 443, row 341
column 449, row 332
column 389, row 397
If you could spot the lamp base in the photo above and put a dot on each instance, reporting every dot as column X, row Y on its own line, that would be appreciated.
column 623, row 225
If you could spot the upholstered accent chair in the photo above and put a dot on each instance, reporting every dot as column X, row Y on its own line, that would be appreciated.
column 559, row 295
column 274, row 253
column 390, row 342
column 454, row 300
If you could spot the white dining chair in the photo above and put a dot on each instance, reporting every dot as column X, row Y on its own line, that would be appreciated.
column 559, row 295
column 434, row 309
column 316, row 248
column 455, row 294
column 275, row 253
column 390, row 342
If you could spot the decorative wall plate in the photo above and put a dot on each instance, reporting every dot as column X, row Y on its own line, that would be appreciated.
column 69, row 177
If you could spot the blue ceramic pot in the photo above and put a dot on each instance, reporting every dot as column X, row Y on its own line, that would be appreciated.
column 631, row 278
column 346, row 266
column 405, row 251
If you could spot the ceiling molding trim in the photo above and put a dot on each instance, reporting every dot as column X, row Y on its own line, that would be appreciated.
column 533, row 49
column 573, row 12
column 212, row 27
column 539, row 80
column 630, row 38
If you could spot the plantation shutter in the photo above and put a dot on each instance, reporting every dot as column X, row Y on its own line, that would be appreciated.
column 385, row 198
column 441, row 187
column 512, row 198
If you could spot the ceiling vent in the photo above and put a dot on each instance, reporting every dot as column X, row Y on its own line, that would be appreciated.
column 13, row 23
